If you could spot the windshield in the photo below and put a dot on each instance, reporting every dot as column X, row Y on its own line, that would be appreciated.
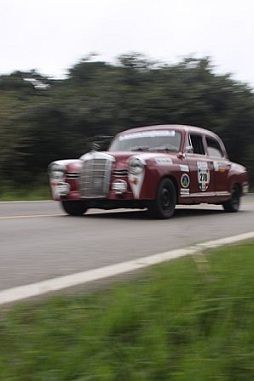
column 164, row 140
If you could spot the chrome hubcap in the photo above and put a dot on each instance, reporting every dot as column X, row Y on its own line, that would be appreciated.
column 165, row 199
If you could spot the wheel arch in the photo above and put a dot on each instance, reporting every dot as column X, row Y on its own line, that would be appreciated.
column 237, row 184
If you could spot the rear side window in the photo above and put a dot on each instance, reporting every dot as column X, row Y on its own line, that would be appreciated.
column 214, row 148
column 196, row 141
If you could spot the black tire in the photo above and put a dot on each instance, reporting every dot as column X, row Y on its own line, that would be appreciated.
column 74, row 208
column 233, row 204
column 163, row 206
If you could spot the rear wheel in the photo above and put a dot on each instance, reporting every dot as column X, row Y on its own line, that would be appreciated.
column 164, row 205
column 74, row 208
column 233, row 204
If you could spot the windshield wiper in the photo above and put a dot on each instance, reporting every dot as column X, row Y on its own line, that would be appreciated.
column 162, row 148
column 140, row 148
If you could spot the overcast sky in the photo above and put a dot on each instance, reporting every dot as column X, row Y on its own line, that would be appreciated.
column 52, row 35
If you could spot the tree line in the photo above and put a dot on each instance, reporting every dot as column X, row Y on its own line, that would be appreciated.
column 44, row 119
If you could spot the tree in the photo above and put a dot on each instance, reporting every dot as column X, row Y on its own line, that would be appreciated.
column 60, row 118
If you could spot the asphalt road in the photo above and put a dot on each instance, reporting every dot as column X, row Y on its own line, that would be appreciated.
column 38, row 241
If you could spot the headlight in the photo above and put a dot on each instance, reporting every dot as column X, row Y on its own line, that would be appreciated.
column 56, row 171
column 136, row 166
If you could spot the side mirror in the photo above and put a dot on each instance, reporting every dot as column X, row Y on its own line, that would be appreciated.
column 189, row 149
column 95, row 146
column 181, row 155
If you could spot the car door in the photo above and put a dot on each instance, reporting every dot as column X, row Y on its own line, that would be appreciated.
column 200, row 168
column 217, row 155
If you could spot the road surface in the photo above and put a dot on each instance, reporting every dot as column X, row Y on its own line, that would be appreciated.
column 38, row 241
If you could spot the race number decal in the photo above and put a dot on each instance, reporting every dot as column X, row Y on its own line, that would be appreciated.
column 203, row 175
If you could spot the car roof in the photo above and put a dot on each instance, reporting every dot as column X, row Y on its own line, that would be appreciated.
column 176, row 127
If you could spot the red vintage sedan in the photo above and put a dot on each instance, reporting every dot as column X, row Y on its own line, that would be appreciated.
column 153, row 167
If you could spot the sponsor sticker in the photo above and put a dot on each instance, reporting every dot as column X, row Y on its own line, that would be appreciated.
column 185, row 180
column 147, row 134
column 136, row 182
column 163, row 161
column 184, row 168
column 184, row 192
column 203, row 175
column 219, row 166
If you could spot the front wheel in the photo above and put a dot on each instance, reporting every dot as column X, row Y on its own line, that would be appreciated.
column 164, row 205
column 233, row 204
column 74, row 208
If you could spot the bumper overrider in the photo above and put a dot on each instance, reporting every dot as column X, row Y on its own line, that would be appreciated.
column 96, row 177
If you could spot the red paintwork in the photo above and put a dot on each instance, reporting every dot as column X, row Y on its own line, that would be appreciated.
column 223, row 173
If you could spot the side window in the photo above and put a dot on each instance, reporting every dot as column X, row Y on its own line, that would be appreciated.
column 214, row 148
column 196, row 142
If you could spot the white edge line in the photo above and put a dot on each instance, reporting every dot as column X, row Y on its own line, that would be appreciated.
column 36, row 289
column 24, row 201
column 18, row 217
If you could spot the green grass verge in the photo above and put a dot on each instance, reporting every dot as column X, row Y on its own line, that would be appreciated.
column 188, row 320
column 25, row 194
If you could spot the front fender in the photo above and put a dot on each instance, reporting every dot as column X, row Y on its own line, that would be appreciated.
column 64, row 178
column 238, row 175
column 154, row 173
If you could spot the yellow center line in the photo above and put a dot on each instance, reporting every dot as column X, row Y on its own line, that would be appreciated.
column 29, row 216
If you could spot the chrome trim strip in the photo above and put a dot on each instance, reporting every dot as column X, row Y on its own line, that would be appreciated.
column 206, row 194
column 120, row 173
column 72, row 175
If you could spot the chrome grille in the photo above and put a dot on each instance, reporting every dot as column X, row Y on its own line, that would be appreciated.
column 95, row 178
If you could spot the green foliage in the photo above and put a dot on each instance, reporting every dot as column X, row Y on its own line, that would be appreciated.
column 42, row 119
column 31, row 193
column 191, row 319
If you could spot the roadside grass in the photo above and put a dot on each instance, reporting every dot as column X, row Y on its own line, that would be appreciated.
column 188, row 320
column 25, row 194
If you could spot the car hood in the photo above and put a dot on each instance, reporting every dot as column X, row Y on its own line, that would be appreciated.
column 121, row 159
